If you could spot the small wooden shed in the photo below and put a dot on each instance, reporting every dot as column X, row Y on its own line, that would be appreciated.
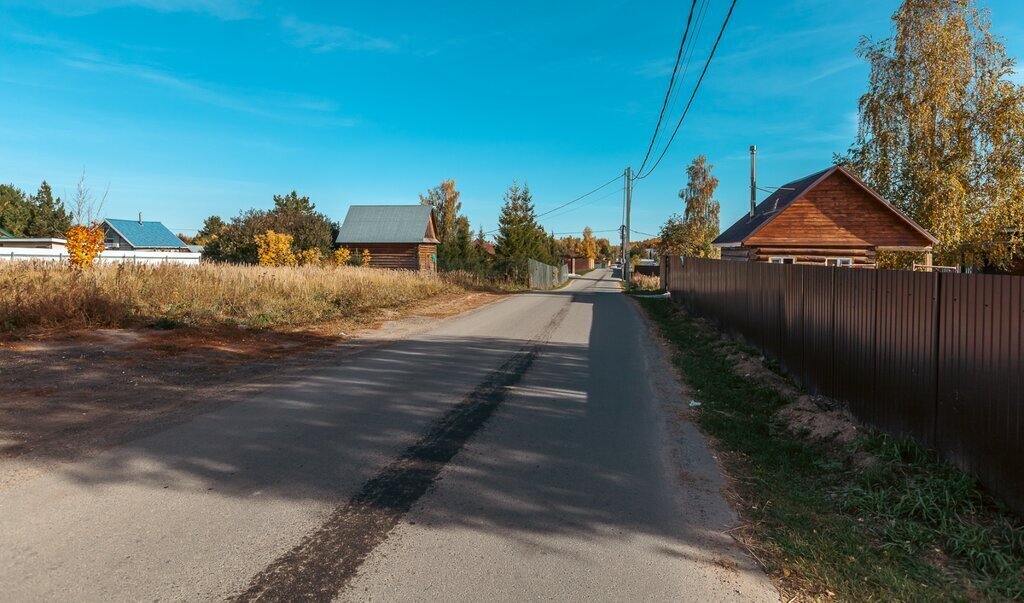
column 829, row 218
column 397, row 236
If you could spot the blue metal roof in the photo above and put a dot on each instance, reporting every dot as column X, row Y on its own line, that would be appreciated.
column 145, row 234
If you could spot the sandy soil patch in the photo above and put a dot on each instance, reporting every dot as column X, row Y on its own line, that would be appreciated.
column 819, row 418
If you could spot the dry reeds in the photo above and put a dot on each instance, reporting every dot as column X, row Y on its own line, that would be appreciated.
column 40, row 294
column 643, row 282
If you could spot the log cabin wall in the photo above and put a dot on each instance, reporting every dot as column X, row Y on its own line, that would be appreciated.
column 427, row 257
column 860, row 256
column 736, row 254
column 396, row 256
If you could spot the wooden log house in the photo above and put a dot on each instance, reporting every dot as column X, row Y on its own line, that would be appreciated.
column 829, row 218
column 400, row 237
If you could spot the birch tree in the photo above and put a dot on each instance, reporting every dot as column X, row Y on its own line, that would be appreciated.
column 941, row 130
column 692, row 233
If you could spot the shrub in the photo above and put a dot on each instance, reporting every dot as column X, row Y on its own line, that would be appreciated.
column 365, row 258
column 310, row 257
column 341, row 257
column 84, row 245
column 642, row 282
column 275, row 249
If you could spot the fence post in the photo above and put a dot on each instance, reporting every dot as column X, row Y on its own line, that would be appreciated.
column 936, row 359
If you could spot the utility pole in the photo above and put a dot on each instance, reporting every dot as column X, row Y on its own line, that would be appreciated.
column 753, row 180
column 626, row 265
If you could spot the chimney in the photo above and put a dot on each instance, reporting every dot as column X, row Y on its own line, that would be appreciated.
column 140, row 215
column 753, row 179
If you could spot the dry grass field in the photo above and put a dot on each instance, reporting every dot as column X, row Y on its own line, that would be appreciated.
column 43, row 295
column 81, row 369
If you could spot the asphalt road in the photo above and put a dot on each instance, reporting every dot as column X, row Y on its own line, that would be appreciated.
column 528, row 450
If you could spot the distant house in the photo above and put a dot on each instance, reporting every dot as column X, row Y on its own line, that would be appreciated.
column 486, row 246
column 132, row 235
column 33, row 243
column 576, row 264
column 397, row 236
column 830, row 218
column 8, row 240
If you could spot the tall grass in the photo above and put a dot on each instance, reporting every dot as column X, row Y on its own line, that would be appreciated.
column 643, row 282
column 40, row 294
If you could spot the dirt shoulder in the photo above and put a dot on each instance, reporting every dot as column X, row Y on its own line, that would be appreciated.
column 832, row 509
column 69, row 394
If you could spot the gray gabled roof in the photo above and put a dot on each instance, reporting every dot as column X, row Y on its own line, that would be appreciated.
column 767, row 210
column 387, row 224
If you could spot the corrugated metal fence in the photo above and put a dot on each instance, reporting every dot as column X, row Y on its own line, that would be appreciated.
column 546, row 276
column 935, row 356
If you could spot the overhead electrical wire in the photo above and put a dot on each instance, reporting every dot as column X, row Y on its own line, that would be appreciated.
column 671, row 83
column 567, row 203
column 702, row 14
column 587, row 204
column 580, row 198
column 689, row 103
column 571, row 232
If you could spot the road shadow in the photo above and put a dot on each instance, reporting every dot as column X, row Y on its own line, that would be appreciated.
column 575, row 449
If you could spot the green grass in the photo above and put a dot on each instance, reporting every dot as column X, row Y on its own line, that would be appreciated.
column 824, row 522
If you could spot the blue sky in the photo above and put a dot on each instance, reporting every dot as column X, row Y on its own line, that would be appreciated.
column 186, row 108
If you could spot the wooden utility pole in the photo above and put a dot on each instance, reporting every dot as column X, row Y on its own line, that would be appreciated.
column 626, row 264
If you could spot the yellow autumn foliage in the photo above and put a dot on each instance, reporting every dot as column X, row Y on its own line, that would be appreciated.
column 84, row 245
column 366, row 257
column 310, row 257
column 275, row 249
column 341, row 257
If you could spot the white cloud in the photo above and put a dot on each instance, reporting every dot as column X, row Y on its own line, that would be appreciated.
column 325, row 38
column 286, row 107
column 656, row 68
column 835, row 68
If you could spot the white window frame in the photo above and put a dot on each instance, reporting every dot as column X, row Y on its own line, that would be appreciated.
column 839, row 262
column 785, row 259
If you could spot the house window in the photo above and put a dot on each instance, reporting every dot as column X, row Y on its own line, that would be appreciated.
column 839, row 262
column 782, row 260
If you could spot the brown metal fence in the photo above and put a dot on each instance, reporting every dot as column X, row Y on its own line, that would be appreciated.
column 935, row 356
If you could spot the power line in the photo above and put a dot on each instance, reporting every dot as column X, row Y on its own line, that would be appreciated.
column 702, row 14
column 570, row 232
column 707, row 64
column 646, row 234
column 566, row 204
column 587, row 204
column 581, row 197
column 671, row 83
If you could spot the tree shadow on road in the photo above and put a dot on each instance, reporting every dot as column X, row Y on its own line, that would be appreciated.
column 576, row 448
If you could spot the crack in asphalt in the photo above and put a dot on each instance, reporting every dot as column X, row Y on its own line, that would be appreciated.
column 329, row 557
